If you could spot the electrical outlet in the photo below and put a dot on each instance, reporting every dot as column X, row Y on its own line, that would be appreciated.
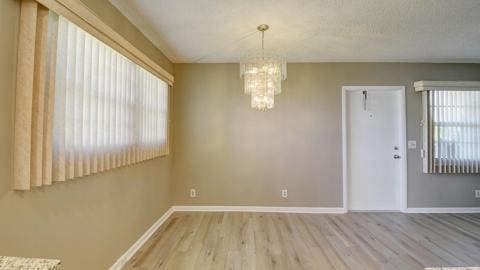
column 193, row 193
column 284, row 193
column 477, row 193
column 412, row 144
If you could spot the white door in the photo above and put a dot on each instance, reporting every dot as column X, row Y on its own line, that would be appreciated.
column 375, row 146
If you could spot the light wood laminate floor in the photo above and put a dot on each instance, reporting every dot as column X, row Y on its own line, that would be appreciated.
column 311, row 241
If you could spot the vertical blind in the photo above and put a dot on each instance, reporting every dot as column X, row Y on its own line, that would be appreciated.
column 81, row 107
column 454, row 125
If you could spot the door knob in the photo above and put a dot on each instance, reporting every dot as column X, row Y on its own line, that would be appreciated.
column 396, row 156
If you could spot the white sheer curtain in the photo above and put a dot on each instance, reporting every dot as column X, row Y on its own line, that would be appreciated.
column 455, row 125
column 109, row 112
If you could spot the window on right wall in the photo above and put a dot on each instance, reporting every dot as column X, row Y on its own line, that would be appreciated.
column 451, row 126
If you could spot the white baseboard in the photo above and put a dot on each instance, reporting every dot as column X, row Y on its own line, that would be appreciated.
column 445, row 210
column 139, row 243
column 265, row 209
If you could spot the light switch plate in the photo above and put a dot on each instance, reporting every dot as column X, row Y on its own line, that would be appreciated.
column 412, row 144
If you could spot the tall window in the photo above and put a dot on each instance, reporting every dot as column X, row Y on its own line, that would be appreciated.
column 452, row 129
column 81, row 107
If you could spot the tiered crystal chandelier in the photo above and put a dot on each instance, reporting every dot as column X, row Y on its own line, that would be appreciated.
column 263, row 74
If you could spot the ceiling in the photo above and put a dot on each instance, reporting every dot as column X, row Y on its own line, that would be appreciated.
column 219, row 31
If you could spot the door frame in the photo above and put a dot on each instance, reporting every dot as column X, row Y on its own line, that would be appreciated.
column 403, row 142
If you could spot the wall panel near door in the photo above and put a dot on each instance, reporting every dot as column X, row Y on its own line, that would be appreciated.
column 234, row 155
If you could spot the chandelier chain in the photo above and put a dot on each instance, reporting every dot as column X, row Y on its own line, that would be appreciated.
column 263, row 44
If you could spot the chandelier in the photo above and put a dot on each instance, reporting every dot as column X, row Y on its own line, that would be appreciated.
column 263, row 74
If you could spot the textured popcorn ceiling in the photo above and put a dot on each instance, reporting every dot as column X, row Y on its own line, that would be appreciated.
column 311, row 30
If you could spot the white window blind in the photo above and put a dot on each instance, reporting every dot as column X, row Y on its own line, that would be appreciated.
column 452, row 129
column 81, row 107
column 109, row 111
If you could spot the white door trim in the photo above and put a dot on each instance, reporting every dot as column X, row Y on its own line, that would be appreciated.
column 403, row 136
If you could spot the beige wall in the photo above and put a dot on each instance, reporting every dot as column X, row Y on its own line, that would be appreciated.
column 234, row 155
column 111, row 16
column 87, row 223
